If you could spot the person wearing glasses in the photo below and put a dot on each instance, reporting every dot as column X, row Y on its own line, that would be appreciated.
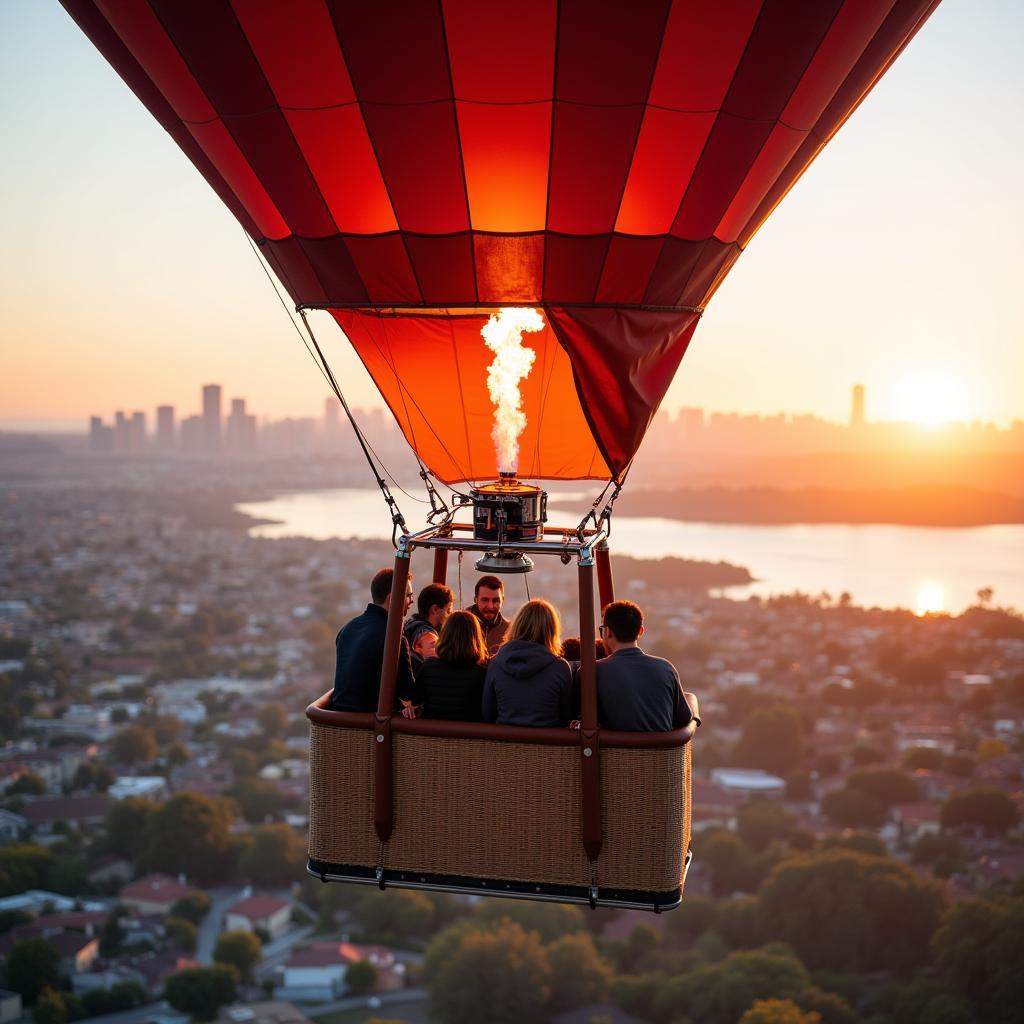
column 636, row 692
column 360, row 652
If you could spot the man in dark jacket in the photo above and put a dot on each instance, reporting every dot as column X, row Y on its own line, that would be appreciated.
column 635, row 691
column 360, row 648
column 489, row 594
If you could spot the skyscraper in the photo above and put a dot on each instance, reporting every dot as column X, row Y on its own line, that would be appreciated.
column 211, row 417
column 122, row 432
column 137, row 432
column 165, row 427
column 857, row 408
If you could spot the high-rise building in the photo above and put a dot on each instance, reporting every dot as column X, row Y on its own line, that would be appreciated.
column 193, row 434
column 240, row 435
column 211, row 417
column 165, row 427
column 857, row 408
column 101, row 438
column 332, row 414
column 122, row 432
column 137, row 432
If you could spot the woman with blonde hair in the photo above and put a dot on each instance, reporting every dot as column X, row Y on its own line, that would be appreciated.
column 527, row 682
column 451, row 683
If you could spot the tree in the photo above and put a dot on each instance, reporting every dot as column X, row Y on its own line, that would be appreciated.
column 831, row 1007
column 549, row 920
column 193, row 907
column 888, row 913
column 183, row 933
column 400, row 913
column 988, row 809
column 29, row 784
column 275, row 855
column 178, row 753
column 50, row 1008
column 943, row 851
column 202, row 991
column 31, row 966
column 24, row 866
column 772, row 739
column 927, row 758
column 238, row 949
column 360, row 977
column 852, row 808
column 112, row 934
column 492, row 977
column 778, row 1011
column 720, row 993
column 134, row 744
column 977, row 952
column 191, row 835
column 887, row 786
column 579, row 974
column 126, row 822
column 763, row 822
column 258, row 799
column 273, row 720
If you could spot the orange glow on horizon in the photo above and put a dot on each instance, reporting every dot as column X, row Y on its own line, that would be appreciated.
column 930, row 598
column 931, row 400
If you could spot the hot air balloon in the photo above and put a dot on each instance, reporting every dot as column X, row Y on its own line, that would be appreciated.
column 415, row 168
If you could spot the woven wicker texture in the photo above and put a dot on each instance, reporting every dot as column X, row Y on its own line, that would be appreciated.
column 495, row 810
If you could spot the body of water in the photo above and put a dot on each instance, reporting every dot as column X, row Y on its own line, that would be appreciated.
column 921, row 568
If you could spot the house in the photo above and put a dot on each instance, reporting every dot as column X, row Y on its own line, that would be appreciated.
column 916, row 819
column 154, row 894
column 10, row 1006
column 749, row 781
column 77, row 951
column 12, row 826
column 145, row 787
column 317, row 972
column 85, row 812
column 266, row 913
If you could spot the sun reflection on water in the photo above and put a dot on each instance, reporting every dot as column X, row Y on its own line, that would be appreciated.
column 931, row 598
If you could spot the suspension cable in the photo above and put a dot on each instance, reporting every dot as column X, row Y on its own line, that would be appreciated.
column 397, row 519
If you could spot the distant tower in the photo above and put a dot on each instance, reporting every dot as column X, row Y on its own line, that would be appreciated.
column 137, row 431
column 331, row 416
column 857, row 408
column 211, row 417
column 122, row 432
column 165, row 427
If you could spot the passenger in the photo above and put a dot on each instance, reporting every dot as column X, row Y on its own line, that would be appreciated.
column 360, row 652
column 433, row 606
column 571, row 649
column 527, row 682
column 451, row 685
column 489, row 594
column 636, row 692
column 424, row 647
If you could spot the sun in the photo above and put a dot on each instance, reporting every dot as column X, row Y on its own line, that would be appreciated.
column 931, row 598
column 930, row 399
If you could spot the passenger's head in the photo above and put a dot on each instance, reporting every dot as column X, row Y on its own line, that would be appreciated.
column 462, row 640
column 571, row 648
column 489, row 592
column 425, row 644
column 621, row 624
column 380, row 589
column 435, row 603
column 537, row 621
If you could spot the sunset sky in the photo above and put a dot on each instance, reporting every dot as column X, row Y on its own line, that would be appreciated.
column 124, row 283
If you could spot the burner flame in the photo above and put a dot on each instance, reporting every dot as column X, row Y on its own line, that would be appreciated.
column 512, row 363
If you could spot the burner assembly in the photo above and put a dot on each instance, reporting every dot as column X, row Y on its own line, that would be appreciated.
column 508, row 512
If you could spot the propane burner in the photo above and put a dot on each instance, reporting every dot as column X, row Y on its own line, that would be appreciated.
column 508, row 512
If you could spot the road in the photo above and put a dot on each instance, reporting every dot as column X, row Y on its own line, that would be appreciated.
column 211, row 925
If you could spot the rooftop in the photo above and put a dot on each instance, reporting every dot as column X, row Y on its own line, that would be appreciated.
column 255, row 907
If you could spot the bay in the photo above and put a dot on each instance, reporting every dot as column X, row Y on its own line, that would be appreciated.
column 925, row 569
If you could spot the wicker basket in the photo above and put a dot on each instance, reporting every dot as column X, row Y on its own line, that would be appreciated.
column 503, row 814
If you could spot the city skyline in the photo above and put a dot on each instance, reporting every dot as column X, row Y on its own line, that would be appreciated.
column 857, row 276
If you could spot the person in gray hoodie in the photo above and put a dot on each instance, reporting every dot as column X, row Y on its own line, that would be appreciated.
column 527, row 683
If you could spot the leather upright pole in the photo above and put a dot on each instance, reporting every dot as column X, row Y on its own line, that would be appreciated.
column 590, row 767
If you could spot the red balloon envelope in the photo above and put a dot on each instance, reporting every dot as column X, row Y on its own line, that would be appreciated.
column 413, row 165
